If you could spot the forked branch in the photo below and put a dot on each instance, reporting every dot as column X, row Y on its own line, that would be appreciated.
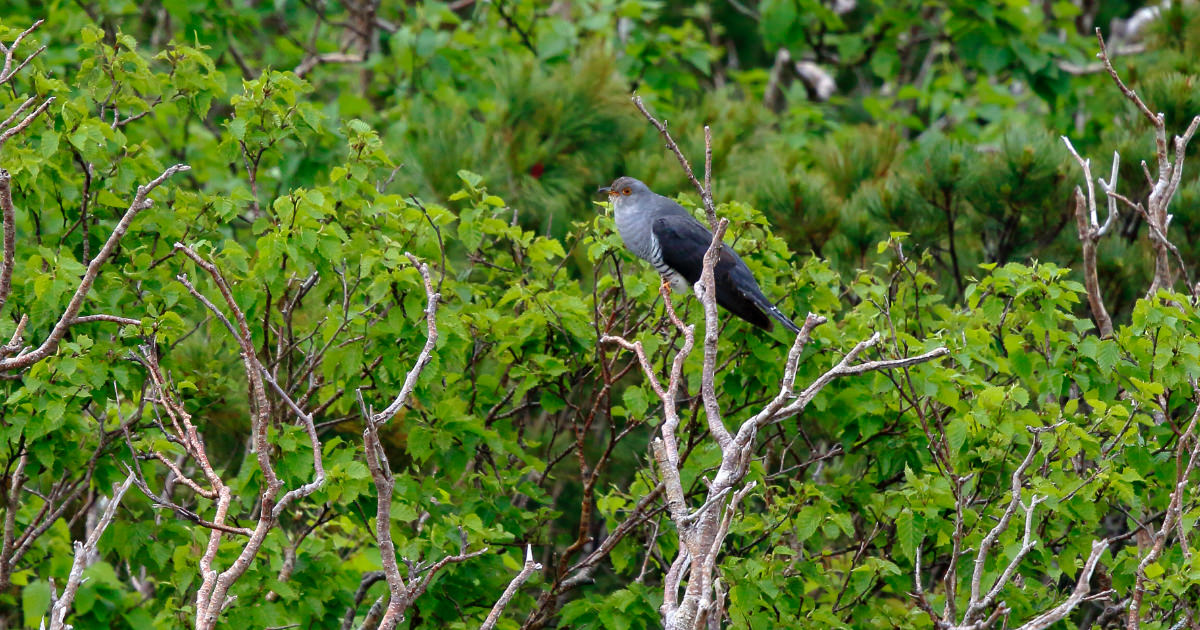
column 62, row 605
column 693, row 595
column 401, row 592
column 141, row 201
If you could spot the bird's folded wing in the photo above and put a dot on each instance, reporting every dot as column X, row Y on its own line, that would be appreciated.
column 683, row 242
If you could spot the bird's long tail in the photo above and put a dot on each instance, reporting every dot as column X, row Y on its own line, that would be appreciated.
column 774, row 312
column 767, row 307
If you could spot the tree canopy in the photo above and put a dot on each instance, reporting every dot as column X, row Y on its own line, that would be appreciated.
column 314, row 319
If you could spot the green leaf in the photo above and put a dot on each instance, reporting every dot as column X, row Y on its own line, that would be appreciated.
column 237, row 128
column 956, row 433
column 778, row 18
column 636, row 401
column 807, row 521
column 35, row 602
column 472, row 180
column 991, row 397
column 907, row 533
column 1154, row 570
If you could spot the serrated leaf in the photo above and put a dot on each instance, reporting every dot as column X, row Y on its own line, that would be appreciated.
column 907, row 533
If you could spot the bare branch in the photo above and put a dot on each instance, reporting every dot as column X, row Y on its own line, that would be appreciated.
column 112, row 319
column 526, row 571
column 1162, row 187
column 10, row 239
column 706, row 289
column 1129, row 93
column 213, row 597
column 845, row 367
column 1187, row 454
column 384, row 487
column 401, row 594
column 260, row 405
column 1082, row 589
column 979, row 603
column 431, row 337
column 1112, row 203
column 7, row 134
column 702, row 532
column 313, row 60
column 368, row 580
column 1089, row 234
column 705, row 189
column 7, row 71
column 665, row 448
column 638, row 350
column 141, row 201
column 62, row 606
column 1086, row 165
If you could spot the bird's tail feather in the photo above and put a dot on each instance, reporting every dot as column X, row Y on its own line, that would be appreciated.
column 774, row 312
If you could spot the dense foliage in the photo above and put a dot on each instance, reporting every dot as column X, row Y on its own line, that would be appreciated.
column 928, row 198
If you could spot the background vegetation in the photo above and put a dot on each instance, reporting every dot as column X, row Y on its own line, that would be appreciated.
column 893, row 166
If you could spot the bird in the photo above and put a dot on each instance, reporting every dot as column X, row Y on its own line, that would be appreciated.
column 659, row 231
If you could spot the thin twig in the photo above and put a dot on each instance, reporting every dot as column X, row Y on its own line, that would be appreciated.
column 527, row 570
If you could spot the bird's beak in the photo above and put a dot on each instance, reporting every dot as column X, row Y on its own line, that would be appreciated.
column 604, row 189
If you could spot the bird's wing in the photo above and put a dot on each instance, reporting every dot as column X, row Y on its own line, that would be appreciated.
column 683, row 241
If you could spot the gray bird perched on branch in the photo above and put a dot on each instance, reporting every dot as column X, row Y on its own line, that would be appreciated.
column 668, row 237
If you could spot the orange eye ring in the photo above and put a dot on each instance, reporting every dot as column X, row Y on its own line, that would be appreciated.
column 626, row 191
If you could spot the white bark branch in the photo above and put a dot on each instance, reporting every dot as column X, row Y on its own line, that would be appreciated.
column 1081, row 592
column 7, row 71
column 58, row 614
column 141, row 201
column 1187, row 455
column 526, row 571
column 431, row 337
column 1163, row 186
column 702, row 532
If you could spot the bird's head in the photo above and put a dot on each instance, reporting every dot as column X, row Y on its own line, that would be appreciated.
column 624, row 190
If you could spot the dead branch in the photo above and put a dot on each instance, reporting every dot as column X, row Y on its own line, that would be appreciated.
column 1082, row 591
column 141, row 201
column 702, row 532
column 1164, row 185
column 526, row 571
column 1091, row 231
column 705, row 189
column 9, row 132
column 57, row 500
column 62, row 605
column 368, row 580
column 976, row 615
column 980, row 602
column 212, row 598
column 431, row 337
column 706, row 287
column 1187, row 454
column 313, row 60
column 402, row 593
column 7, row 71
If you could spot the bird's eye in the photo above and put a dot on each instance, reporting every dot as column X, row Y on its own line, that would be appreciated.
column 626, row 191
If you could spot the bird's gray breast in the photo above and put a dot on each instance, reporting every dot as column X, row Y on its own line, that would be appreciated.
column 635, row 224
